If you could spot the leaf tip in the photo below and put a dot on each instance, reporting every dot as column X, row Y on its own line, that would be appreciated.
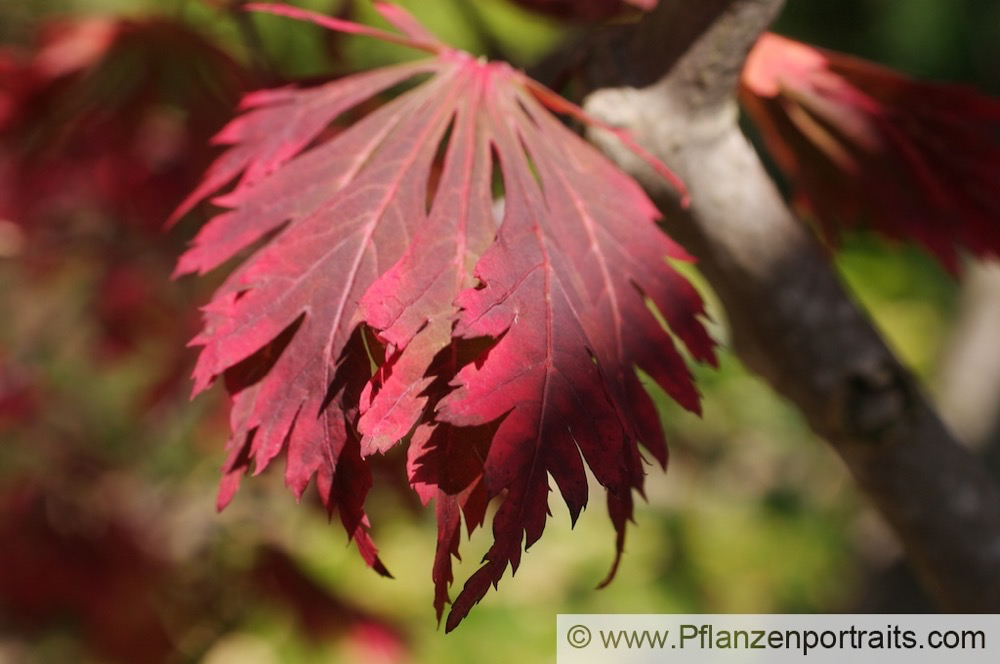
column 228, row 487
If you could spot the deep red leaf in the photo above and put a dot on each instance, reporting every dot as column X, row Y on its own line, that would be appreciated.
column 564, row 288
column 412, row 305
column 445, row 463
column 382, row 224
column 917, row 161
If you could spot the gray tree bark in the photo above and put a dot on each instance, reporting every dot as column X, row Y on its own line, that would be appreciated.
column 968, row 384
column 671, row 80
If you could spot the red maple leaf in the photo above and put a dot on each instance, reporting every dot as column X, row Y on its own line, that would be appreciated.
column 505, row 344
column 917, row 161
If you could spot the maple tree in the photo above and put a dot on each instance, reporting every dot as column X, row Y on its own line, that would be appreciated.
column 457, row 271
column 104, row 125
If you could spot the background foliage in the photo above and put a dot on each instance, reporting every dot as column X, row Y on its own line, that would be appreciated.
column 112, row 551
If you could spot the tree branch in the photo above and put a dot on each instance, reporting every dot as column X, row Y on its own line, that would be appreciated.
column 969, row 374
column 791, row 320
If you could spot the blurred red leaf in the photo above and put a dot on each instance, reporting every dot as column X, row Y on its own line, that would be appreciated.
column 20, row 400
column 861, row 143
column 93, row 570
column 103, row 127
column 77, row 563
column 111, row 115
column 320, row 613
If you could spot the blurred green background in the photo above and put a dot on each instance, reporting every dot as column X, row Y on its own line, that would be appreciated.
column 110, row 548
